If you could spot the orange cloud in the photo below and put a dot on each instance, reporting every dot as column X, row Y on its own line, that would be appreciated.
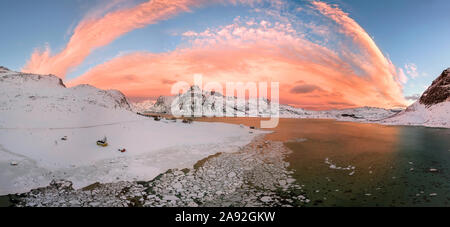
column 93, row 32
column 265, row 51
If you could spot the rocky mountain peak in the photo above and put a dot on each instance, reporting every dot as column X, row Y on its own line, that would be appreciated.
column 439, row 91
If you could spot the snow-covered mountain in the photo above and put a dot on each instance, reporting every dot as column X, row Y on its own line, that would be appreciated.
column 432, row 109
column 142, row 106
column 361, row 114
column 212, row 102
column 31, row 101
column 48, row 132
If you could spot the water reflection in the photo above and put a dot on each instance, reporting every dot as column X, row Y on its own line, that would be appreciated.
column 391, row 164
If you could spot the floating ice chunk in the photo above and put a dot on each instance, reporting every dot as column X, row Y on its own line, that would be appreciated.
column 433, row 170
column 334, row 166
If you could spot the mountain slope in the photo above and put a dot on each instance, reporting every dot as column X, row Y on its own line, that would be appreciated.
column 26, row 96
column 432, row 109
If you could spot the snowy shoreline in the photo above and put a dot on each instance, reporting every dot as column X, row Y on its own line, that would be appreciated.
column 152, row 148
column 49, row 131
column 254, row 176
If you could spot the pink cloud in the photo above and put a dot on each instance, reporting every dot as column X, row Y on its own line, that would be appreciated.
column 402, row 78
column 94, row 32
column 190, row 34
column 260, row 51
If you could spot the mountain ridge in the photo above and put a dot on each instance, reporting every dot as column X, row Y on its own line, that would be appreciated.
column 164, row 103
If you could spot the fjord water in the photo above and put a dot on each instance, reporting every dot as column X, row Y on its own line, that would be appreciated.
column 393, row 165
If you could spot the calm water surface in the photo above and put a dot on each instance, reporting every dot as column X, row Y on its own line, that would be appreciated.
column 391, row 163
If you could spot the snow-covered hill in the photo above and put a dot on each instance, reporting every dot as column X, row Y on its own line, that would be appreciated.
column 212, row 102
column 432, row 109
column 33, row 101
column 48, row 131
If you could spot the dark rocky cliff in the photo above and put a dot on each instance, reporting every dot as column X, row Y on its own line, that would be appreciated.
column 439, row 91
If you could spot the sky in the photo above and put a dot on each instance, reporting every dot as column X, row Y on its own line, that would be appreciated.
column 325, row 54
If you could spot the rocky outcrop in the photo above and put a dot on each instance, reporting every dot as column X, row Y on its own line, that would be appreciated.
column 120, row 99
column 439, row 91
column 431, row 110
